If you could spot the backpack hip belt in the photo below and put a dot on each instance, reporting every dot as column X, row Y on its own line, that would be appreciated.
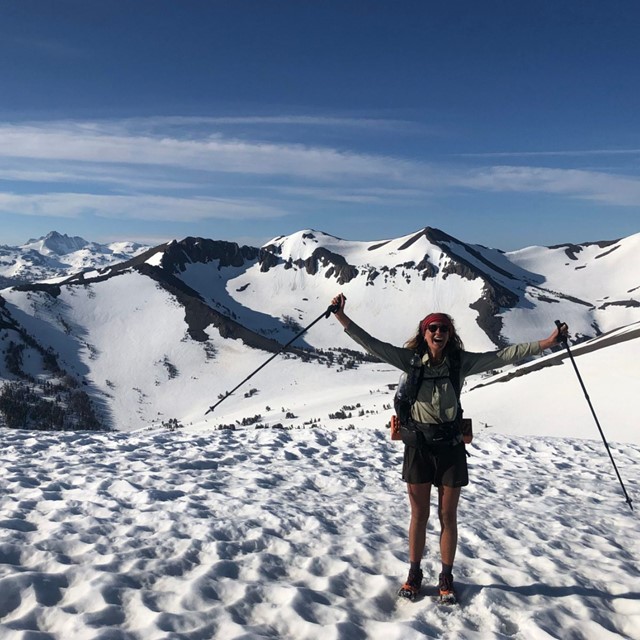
column 421, row 434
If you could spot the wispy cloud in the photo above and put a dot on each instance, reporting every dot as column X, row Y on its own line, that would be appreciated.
column 550, row 154
column 324, row 121
column 154, row 208
column 166, row 176
column 363, row 195
column 587, row 185
column 89, row 174
column 91, row 143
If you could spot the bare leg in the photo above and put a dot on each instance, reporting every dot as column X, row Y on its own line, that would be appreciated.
column 448, row 513
column 419, row 499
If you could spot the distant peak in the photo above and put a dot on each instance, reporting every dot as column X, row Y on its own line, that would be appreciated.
column 61, row 244
column 433, row 235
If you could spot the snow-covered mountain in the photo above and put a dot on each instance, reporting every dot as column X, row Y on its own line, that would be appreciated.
column 161, row 336
column 59, row 255
column 281, row 514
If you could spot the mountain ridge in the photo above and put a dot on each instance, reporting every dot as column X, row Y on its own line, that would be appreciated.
column 141, row 336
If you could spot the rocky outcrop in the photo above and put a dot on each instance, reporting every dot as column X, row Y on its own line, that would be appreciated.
column 572, row 250
column 629, row 304
column 337, row 265
column 426, row 268
column 228, row 254
column 267, row 259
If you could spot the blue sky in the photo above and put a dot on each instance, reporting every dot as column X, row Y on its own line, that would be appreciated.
column 502, row 123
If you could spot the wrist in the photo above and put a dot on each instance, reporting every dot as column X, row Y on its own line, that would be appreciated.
column 342, row 318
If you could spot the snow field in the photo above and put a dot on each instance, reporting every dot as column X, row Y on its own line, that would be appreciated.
column 292, row 534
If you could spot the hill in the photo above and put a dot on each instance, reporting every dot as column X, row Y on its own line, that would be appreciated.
column 159, row 337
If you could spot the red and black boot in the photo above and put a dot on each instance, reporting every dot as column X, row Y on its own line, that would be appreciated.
column 411, row 588
column 445, row 587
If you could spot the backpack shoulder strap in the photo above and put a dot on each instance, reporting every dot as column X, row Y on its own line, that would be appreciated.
column 454, row 372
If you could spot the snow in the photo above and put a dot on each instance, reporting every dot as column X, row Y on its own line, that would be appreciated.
column 547, row 398
column 56, row 256
column 593, row 274
column 300, row 531
column 266, row 533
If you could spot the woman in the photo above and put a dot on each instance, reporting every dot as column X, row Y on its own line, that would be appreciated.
column 440, row 350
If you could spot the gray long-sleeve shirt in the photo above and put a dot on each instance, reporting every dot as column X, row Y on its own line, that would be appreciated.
column 436, row 401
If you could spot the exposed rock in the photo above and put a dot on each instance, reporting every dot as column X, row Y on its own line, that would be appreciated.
column 621, row 303
column 488, row 321
column 372, row 275
column 267, row 259
column 228, row 254
column 459, row 269
column 427, row 269
column 373, row 247
column 563, row 296
column 573, row 249
column 52, row 289
column 199, row 315
column 310, row 265
column 338, row 265
column 606, row 253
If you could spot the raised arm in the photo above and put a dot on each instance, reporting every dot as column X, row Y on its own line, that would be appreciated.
column 479, row 362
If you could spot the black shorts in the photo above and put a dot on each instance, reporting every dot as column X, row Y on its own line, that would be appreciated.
column 443, row 465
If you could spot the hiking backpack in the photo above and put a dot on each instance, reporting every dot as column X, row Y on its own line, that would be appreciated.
column 407, row 392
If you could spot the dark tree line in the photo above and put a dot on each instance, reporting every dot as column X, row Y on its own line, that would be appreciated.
column 23, row 407
column 43, row 405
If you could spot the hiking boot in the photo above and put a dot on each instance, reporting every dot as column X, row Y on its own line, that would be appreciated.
column 411, row 587
column 445, row 587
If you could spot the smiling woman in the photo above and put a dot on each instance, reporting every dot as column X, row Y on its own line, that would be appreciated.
column 434, row 451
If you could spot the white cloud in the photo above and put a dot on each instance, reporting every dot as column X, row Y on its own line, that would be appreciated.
column 364, row 195
column 587, row 185
column 150, row 174
column 558, row 153
column 379, row 124
column 85, row 174
column 154, row 208
column 92, row 143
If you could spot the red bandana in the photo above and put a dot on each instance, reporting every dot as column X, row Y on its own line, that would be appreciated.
column 440, row 318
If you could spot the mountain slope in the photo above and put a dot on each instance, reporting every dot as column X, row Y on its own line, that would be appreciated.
column 162, row 335
column 544, row 397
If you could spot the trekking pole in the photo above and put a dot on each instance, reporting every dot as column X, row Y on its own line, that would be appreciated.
column 565, row 342
column 325, row 314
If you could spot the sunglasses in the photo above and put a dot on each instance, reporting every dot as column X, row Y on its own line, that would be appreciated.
column 434, row 327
